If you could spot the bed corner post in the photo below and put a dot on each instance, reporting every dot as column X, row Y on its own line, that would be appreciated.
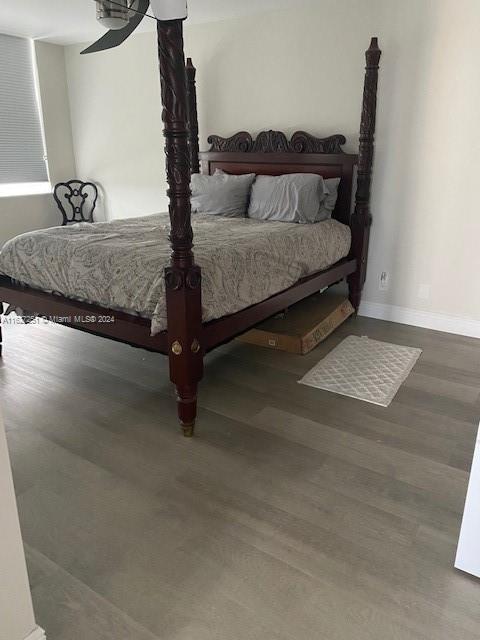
column 193, row 142
column 182, row 277
column 361, row 218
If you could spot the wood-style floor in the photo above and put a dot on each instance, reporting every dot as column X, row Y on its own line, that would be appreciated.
column 295, row 514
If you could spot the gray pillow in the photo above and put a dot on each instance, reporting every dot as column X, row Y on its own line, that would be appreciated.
column 328, row 205
column 221, row 194
column 293, row 197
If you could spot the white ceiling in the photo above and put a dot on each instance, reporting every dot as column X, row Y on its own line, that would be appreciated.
column 73, row 21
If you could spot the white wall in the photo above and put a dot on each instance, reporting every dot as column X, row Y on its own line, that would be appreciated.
column 16, row 612
column 303, row 69
column 55, row 110
column 116, row 125
column 20, row 214
column 26, row 213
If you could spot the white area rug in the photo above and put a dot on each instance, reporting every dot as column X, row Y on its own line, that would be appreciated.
column 365, row 369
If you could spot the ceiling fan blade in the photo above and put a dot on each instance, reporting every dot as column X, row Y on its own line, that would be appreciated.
column 115, row 37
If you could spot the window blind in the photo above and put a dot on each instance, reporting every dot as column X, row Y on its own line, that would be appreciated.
column 22, row 155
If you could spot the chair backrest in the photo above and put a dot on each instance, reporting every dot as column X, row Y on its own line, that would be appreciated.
column 76, row 200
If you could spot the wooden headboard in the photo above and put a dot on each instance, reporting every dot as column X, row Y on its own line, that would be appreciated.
column 271, row 153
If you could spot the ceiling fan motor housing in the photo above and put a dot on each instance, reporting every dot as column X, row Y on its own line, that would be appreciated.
column 113, row 15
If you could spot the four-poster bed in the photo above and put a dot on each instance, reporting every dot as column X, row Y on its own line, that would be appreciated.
column 187, row 338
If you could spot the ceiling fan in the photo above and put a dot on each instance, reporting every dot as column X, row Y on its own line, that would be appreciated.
column 122, row 17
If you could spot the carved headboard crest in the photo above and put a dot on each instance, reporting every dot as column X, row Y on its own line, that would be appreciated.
column 277, row 142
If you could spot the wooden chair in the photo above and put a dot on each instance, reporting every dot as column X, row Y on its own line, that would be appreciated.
column 80, row 198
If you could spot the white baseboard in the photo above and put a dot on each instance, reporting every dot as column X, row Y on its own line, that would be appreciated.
column 425, row 319
column 37, row 634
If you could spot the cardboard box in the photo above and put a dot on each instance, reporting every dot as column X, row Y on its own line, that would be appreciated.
column 304, row 325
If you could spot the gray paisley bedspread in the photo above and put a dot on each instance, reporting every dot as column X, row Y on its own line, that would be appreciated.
column 120, row 264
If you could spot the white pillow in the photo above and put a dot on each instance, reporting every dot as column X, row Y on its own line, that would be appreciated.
column 293, row 197
column 221, row 194
column 328, row 204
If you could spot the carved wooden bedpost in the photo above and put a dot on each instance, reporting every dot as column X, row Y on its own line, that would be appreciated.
column 183, row 277
column 192, row 117
column 361, row 218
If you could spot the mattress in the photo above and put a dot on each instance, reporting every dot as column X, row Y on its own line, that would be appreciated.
column 120, row 264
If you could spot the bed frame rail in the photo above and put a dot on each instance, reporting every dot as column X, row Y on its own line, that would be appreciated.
column 218, row 332
column 91, row 318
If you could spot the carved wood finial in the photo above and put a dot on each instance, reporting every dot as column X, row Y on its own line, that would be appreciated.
column 192, row 117
column 373, row 53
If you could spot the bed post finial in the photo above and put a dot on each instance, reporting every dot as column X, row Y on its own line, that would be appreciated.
column 192, row 117
column 361, row 218
column 182, row 277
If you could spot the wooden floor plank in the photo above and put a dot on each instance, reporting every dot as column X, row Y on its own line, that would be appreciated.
column 295, row 514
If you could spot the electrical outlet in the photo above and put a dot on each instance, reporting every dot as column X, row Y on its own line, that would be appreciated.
column 384, row 278
column 423, row 291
